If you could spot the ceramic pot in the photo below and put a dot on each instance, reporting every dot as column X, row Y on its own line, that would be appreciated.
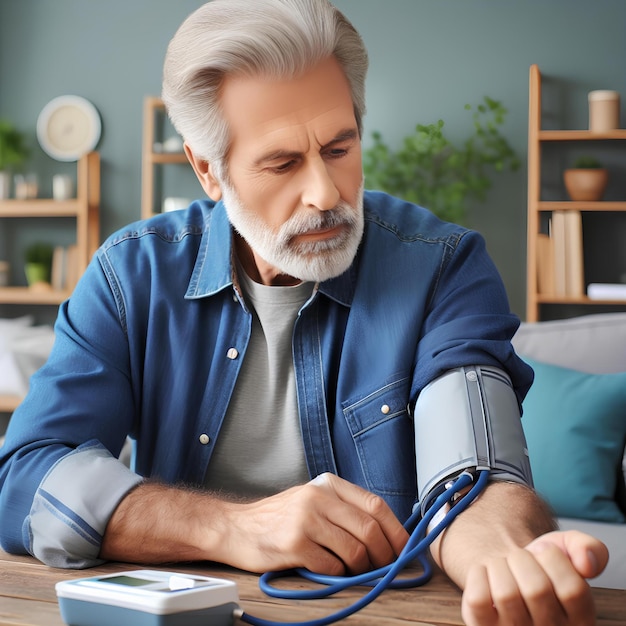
column 586, row 185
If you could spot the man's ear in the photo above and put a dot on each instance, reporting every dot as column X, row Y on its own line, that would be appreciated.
column 205, row 175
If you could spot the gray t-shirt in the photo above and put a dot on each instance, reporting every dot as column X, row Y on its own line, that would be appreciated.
column 259, row 451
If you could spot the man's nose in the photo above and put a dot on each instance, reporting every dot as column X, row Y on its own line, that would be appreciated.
column 319, row 189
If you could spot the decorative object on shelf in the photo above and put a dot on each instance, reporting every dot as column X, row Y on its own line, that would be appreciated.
column 68, row 127
column 38, row 264
column 62, row 187
column 173, row 144
column 587, row 180
column 603, row 110
column 175, row 204
column 13, row 154
column 430, row 170
column 26, row 186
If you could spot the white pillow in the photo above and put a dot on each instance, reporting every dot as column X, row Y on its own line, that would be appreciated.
column 23, row 350
column 595, row 344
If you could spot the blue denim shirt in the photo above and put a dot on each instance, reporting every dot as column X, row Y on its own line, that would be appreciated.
column 152, row 340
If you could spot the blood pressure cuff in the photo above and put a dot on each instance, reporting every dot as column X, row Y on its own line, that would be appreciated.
column 468, row 419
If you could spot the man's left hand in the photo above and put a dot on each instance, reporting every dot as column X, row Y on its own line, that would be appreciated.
column 541, row 584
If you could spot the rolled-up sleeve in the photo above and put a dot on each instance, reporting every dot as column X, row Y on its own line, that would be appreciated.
column 66, row 525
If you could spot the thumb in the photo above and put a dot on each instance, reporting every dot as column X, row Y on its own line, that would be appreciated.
column 587, row 554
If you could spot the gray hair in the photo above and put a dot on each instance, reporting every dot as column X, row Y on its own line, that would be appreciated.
column 275, row 38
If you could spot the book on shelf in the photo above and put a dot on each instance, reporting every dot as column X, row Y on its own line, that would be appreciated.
column 64, row 268
column 545, row 265
column 606, row 291
column 557, row 233
column 574, row 269
column 560, row 266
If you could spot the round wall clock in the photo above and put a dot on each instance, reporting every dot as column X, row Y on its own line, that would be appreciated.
column 68, row 127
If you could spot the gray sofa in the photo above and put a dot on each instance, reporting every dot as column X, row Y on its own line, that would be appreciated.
column 575, row 423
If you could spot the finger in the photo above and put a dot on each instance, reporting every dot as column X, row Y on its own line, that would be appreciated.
column 588, row 555
column 349, row 551
column 506, row 595
column 571, row 591
column 372, row 508
column 477, row 608
column 282, row 532
column 536, row 589
column 348, row 532
column 320, row 560
column 358, row 539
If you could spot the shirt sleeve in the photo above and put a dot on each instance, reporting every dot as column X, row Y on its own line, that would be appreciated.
column 59, row 471
column 469, row 321
column 69, row 515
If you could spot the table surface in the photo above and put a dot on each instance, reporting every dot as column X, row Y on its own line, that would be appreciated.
column 27, row 597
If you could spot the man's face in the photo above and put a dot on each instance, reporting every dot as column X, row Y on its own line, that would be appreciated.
column 295, row 190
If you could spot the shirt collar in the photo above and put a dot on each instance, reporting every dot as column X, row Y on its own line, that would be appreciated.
column 214, row 267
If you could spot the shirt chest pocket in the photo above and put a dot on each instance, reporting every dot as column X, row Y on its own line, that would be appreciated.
column 383, row 435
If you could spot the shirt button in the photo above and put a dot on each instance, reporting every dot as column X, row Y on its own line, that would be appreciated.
column 204, row 439
column 232, row 353
column 385, row 409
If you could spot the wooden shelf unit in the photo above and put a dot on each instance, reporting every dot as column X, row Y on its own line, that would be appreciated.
column 8, row 403
column 536, row 206
column 152, row 107
column 26, row 295
column 85, row 209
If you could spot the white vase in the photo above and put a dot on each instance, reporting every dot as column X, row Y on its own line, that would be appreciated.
column 5, row 185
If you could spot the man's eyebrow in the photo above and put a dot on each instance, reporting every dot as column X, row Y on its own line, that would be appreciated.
column 349, row 134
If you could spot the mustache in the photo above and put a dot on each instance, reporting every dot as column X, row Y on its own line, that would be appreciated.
column 341, row 215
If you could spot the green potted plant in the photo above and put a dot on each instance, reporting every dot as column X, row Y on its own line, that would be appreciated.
column 13, row 153
column 586, row 181
column 38, row 264
column 428, row 169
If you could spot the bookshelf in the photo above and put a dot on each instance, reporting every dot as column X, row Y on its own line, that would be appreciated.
column 153, row 114
column 85, row 210
column 539, row 210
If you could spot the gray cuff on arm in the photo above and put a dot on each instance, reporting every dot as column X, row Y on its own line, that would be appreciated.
column 73, row 505
column 468, row 419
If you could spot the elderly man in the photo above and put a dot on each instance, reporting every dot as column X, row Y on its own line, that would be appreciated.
column 286, row 355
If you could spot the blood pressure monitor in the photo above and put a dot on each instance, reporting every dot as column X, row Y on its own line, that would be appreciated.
column 147, row 598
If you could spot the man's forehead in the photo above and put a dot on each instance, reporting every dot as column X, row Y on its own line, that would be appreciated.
column 269, row 111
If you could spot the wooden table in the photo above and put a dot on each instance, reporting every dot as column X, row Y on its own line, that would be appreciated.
column 27, row 597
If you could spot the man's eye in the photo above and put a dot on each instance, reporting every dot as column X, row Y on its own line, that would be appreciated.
column 337, row 153
column 283, row 167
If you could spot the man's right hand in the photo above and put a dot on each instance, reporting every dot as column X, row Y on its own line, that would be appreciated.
column 327, row 525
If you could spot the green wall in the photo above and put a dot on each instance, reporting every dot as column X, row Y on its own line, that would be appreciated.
column 428, row 58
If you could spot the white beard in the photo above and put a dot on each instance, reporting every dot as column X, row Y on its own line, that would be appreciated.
column 313, row 261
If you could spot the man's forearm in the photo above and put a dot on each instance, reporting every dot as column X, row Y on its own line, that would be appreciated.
column 158, row 523
column 506, row 515
column 326, row 525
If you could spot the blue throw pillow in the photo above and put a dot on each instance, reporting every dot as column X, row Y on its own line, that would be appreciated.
column 575, row 425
